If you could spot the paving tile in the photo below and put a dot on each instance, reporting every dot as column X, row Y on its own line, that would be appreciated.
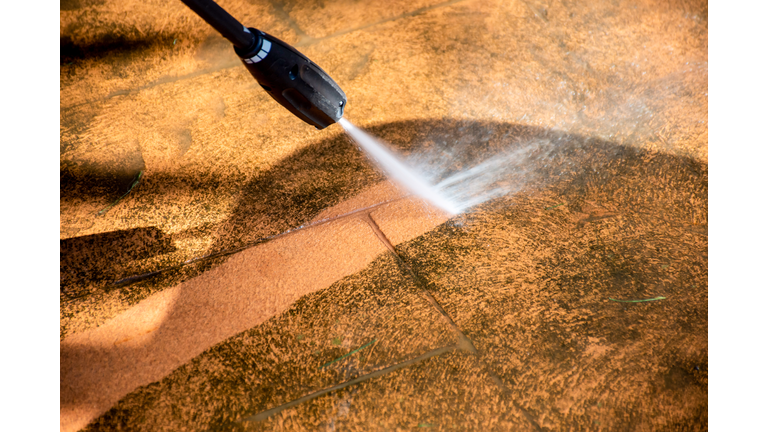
column 365, row 201
column 111, row 48
column 194, row 205
column 530, row 278
column 164, row 331
column 609, row 99
column 405, row 219
column 445, row 392
column 319, row 20
column 281, row 359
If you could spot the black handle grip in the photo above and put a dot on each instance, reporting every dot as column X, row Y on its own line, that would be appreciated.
column 286, row 74
column 294, row 81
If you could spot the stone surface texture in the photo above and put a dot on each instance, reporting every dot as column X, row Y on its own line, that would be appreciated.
column 225, row 266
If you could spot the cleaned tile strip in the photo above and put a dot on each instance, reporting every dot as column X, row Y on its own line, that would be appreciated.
column 140, row 277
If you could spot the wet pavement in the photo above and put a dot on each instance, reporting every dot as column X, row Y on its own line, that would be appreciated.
column 225, row 266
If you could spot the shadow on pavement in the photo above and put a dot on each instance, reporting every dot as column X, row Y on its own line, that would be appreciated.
column 102, row 258
column 527, row 276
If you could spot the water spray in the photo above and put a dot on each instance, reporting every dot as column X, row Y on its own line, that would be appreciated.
column 391, row 164
column 302, row 87
column 287, row 75
column 308, row 92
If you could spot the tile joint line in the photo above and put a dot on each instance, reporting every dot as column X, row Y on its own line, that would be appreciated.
column 270, row 412
column 464, row 342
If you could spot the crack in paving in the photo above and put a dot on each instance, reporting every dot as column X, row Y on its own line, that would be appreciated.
column 381, row 372
column 465, row 343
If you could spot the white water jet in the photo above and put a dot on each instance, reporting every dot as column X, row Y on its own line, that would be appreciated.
column 430, row 173
column 390, row 163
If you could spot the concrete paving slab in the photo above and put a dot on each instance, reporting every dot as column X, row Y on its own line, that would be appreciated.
column 282, row 359
column 546, row 284
column 168, row 329
column 193, row 167
column 448, row 391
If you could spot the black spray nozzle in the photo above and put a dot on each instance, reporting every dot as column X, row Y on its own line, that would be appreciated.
column 286, row 74
column 293, row 80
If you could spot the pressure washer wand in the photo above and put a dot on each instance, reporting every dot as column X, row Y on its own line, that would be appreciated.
column 292, row 79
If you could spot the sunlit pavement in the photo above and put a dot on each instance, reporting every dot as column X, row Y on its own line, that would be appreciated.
column 226, row 266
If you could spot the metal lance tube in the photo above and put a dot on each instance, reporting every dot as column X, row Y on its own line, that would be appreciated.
column 223, row 22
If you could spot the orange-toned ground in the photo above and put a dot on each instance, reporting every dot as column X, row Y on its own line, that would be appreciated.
column 270, row 278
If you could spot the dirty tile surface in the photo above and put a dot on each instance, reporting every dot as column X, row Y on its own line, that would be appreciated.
column 296, row 353
column 225, row 266
column 540, row 283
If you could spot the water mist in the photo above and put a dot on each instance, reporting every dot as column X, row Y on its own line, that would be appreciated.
column 391, row 164
column 431, row 173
